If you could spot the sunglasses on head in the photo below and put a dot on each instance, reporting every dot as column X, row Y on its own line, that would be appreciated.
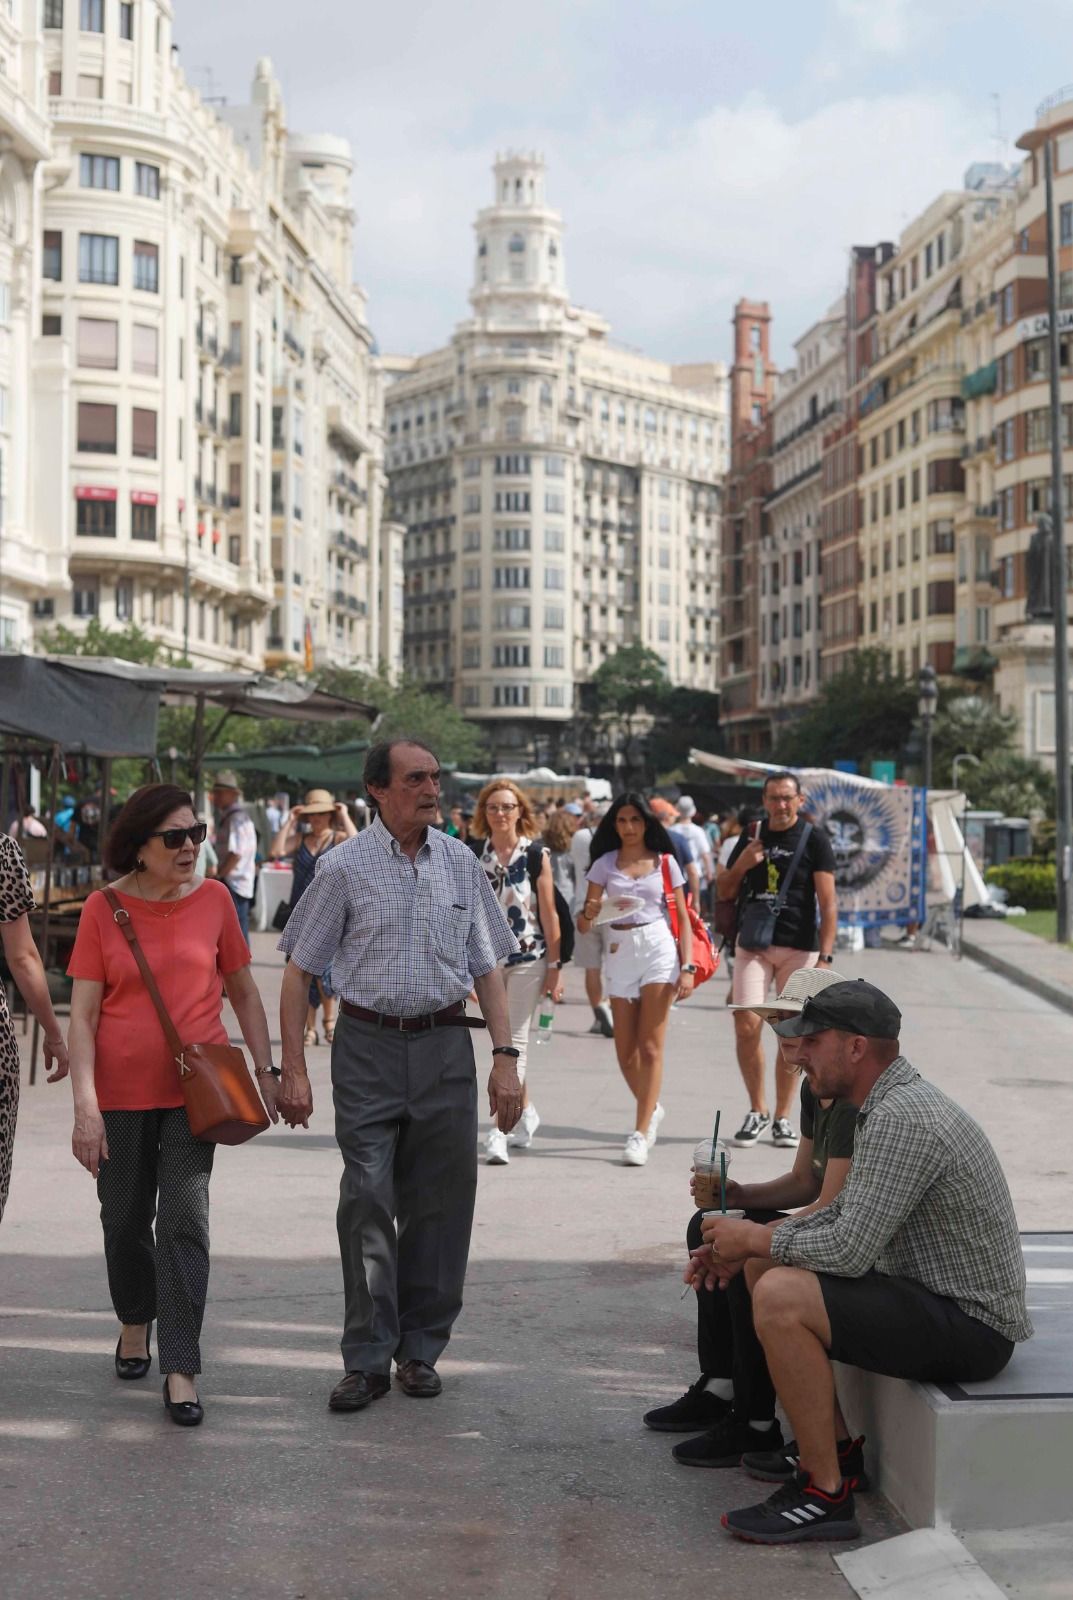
column 175, row 838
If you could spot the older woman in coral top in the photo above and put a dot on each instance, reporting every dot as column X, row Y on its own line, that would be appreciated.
column 131, row 1131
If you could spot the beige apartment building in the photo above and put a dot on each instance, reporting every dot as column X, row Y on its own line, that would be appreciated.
column 561, row 493
column 808, row 401
column 207, row 407
column 1024, row 644
column 912, row 429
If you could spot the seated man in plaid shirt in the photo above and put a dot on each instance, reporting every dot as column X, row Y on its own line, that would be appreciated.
column 914, row 1270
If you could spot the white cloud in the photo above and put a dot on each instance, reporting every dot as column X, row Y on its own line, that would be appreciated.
column 884, row 27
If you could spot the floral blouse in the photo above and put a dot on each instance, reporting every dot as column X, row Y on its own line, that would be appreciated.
column 513, row 890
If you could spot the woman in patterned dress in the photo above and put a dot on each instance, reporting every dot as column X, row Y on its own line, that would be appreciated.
column 24, row 964
column 505, row 823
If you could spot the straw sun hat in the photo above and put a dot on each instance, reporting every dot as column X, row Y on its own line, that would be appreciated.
column 799, row 987
column 315, row 800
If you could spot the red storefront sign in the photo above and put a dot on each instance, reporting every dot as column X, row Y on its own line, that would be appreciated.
column 142, row 497
column 94, row 491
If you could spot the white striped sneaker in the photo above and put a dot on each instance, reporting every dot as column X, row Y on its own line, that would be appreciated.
column 635, row 1153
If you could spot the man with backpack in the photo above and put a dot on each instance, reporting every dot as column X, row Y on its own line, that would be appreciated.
column 781, row 875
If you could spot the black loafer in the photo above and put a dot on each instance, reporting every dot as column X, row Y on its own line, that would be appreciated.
column 358, row 1390
column 418, row 1379
column 184, row 1413
column 133, row 1366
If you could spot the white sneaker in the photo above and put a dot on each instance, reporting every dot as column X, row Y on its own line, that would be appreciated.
column 652, row 1131
column 495, row 1148
column 521, row 1135
column 635, row 1153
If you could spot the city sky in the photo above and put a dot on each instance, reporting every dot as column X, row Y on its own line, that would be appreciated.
column 698, row 152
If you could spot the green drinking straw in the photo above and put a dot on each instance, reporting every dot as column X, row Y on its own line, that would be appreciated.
column 715, row 1134
column 723, row 1181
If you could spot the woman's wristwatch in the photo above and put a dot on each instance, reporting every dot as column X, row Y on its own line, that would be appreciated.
column 688, row 966
column 828, row 961
column 506, row 1050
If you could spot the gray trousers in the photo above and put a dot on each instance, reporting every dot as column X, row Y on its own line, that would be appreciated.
column 406, row 1122
column 155, row 1165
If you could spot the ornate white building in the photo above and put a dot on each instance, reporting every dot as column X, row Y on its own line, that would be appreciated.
column 206, row 445
column 561, row 493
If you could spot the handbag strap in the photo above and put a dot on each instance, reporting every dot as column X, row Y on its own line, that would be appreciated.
column 121, row 918
column 784, row 890
column 668, row 890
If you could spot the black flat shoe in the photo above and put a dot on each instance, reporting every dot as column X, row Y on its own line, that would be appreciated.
column 133, row 1366
column 184, row 1413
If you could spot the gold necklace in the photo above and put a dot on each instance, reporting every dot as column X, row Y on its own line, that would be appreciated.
column 162, row 915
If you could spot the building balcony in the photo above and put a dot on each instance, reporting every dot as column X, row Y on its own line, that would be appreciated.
column 983, row 381
column 294, row 345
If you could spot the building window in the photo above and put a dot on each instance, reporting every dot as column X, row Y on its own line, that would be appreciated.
column 511, row 539
column 510, row 694
column 555, row 694
column 53, row 14
column 554, row 655
column 554, row 578
column 99, row 172
column 146, row 266
column 146, row 180
column 143, row 522
column 96, row 428
column 51, row 326
column 234, row 419
column 511, row 616
column 1065, row 223
column 144, row 350
column 143, row 433
column 554, row 617
column 98, row 343
column 510, row 655
column 89, row 87
column 126, row 19
column 234, row 484
column 85, row 598
column 510, row 578
column 124, row 600
column 98, row 258
column 95, row 519
column 55, row 83
column 91, row 19
column 52, row 262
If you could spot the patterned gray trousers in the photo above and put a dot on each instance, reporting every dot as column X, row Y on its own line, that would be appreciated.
column 156, row 1166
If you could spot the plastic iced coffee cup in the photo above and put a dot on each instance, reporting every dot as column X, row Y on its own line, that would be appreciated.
column 706, row 1175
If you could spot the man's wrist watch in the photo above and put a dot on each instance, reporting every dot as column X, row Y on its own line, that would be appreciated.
column 267, row 1072
column 828, row 960
column 506, row 1050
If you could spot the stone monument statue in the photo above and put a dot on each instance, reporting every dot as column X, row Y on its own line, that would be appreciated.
column 1039, row 572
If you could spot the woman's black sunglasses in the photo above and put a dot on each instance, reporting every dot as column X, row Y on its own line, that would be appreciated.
column 175, row 838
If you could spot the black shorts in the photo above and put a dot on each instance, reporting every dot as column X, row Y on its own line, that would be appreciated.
column 898, row 1327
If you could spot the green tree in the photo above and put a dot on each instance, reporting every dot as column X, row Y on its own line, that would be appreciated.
column 1011, row 783
column 686, row 718
column 864, row 714
column 966, row 724
column 125, row 644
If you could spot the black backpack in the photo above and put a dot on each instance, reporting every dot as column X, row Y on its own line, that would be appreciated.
column 534, row 858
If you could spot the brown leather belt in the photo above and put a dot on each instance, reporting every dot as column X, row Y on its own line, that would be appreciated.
column 450, row 1017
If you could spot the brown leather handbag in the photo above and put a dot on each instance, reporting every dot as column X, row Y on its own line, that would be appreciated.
column 222, row 1103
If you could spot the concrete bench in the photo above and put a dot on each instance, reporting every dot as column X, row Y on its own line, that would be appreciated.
column 981, row 1455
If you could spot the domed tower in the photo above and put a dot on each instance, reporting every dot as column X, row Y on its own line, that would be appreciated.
column 519, row 275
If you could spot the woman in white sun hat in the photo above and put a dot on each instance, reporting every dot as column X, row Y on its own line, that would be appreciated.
column 309, row 831
column 733, row 1399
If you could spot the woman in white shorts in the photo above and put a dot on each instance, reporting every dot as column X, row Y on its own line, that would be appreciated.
column 645, row 970
column 504, row 832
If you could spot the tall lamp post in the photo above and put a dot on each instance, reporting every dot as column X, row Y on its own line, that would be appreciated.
column 927, row 700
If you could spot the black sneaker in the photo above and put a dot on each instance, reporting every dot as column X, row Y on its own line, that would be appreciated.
column 723, row 1445
column 783, row 1133
column 796, row 1512
column 752, row 1127
column 779, row 1466
column 696, row 1409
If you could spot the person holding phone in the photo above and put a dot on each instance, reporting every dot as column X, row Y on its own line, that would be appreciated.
column 766, row 862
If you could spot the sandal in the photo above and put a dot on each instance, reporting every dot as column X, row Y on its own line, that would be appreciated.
column 310, row 1036
column 329, row 1032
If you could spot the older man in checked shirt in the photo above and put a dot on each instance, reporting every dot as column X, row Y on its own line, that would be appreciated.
column 406, row 919
column 914, row 1269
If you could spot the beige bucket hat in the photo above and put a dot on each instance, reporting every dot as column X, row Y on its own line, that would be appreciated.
column 315, row 800
column 799, row 987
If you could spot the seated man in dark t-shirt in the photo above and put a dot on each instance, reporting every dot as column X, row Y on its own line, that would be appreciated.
column 759, row 867
column 733, row 1400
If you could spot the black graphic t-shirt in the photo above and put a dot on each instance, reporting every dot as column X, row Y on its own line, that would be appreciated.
column 796, row 927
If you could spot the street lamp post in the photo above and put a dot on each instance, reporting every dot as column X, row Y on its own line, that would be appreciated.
column 928, row 699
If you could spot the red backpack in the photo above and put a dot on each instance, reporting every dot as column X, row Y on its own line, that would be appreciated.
column 705, row 958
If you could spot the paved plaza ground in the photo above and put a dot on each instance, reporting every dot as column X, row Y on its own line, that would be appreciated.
column 532, row 1475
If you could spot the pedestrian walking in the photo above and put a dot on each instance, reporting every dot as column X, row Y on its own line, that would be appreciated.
column 915, row 1271
column 558, row 836
column 686, row 827
column 782, row 874
column 131, row 1131
column 408, row 923
column 236, row 846
column 309, row 831
column 519, row 871
column 28, row 976
column 632, row 854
